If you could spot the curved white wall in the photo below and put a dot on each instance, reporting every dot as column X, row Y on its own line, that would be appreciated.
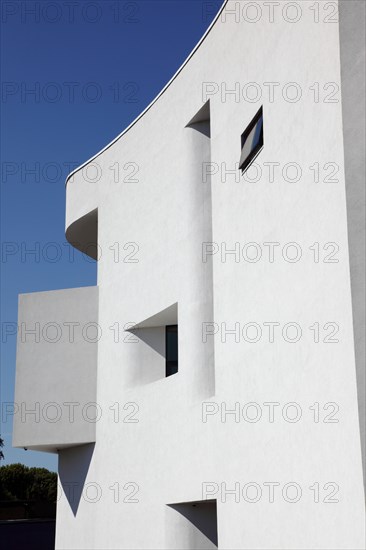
column 170, row 453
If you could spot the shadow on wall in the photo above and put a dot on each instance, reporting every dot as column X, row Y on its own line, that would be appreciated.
column 83, row 234
column 192, row 525
column 73, row 468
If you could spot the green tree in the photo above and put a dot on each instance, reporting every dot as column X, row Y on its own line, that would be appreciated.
column 18, row 482
column 43, row 485
column 15, row 480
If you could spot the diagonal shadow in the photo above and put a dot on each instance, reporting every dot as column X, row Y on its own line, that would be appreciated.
column 72, row 470
column 154, row 337
column 202, row 514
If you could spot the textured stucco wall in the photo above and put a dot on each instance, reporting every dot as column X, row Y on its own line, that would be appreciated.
column 56, row 369
column 158, row 445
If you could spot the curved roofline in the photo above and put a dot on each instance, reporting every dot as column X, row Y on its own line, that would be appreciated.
column 154, row 100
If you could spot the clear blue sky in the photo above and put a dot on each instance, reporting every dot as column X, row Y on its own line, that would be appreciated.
column 92, row 71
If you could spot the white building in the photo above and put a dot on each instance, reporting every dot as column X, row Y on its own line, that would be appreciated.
column 250, row 437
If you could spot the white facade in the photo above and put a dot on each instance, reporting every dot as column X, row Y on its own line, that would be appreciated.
column 256, row 271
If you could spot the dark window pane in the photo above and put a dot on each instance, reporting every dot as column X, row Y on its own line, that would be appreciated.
column 251, row 141
column 171, row 349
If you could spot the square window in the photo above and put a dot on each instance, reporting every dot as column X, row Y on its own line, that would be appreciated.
column 251, row 141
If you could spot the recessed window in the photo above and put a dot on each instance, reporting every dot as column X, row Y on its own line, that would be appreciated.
column 171, row 350
column 156, row 354
column 251, row 141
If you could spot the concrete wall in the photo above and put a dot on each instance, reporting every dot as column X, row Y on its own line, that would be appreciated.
column 56, row 369
column 153, row 448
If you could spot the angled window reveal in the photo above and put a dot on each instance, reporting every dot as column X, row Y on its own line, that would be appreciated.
column 192, row 525
column 156, row 356
column 251, row 141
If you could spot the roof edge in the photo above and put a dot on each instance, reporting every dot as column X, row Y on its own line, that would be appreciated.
column 154, row 100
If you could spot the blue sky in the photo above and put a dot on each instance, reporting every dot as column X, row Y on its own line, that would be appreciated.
column 72, row 79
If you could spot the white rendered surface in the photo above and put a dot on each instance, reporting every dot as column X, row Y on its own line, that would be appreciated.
column 169, row 454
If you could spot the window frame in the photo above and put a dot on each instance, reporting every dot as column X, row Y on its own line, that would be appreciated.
column 255, row 152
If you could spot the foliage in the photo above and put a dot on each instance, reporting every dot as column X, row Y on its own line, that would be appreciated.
column 18, row 482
